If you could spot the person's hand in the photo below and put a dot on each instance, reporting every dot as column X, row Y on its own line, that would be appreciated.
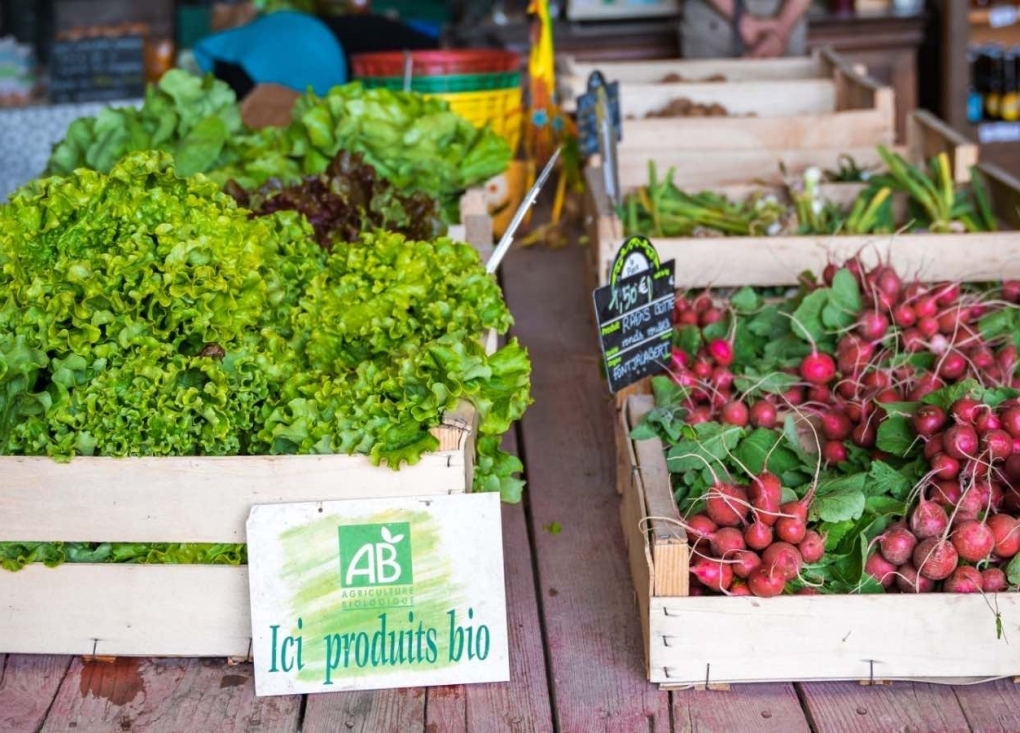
column 772, row 45
column 754, row 30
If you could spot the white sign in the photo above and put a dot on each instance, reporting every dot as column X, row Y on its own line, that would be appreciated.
column 377, row 593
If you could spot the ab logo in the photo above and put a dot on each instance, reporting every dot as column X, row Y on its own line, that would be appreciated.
column 375, row 554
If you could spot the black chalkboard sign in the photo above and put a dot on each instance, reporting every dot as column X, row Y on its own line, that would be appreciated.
column 587, row 118
column 97, row 69
column 635, row 321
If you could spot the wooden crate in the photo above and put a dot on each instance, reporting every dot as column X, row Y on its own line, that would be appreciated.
column 819, row 102
column 733, row 261
column 706, row 641
column 180, row 610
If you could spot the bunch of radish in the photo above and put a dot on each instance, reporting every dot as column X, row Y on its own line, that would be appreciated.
column 962, row 526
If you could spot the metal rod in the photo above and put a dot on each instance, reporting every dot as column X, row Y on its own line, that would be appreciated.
column 508, row 236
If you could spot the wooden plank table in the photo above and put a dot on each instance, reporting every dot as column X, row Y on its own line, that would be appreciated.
column 575, row 635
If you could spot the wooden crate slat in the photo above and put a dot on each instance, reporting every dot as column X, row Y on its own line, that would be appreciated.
column 847, row 637
column 764, row 261
column 126, row 610
column 901, row 706
column 706, row 170
column 851, row 129
column 27, row 689
column 762, row 99
column 192, row 499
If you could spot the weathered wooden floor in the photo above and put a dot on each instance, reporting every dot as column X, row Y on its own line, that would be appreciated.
column 574, row 629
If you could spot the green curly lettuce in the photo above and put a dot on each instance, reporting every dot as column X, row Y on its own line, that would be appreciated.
column 195, row 119
column 144, row 314
column 416, row 143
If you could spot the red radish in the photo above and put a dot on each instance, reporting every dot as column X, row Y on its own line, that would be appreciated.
column 926, row 384
column 993, row 580
column 720, row 399
column 881, row 570
column 713, row 574
column 819, row 393
column 960, row 441
column 712, row 315
column 928, row 520
column 794, row 395
column 946, row 493
column 1012, row 468
column 926, row 307
column 945, row 467
column 964, row 579
column 744, row 563
column 982, row 358
column 762, row 414
column 1010, row 419
column 888, row 395
column 913, row 341
column 971, row 504
column 914, row 290
column 872, row 325
column 964, row 409
column 698, row 415
column 848, row 388
column 934, row 446
column 791, row 529
column 949, row 321
column 700, row 527
column 904, row 316
column 702, row 303
column 782, row 558
column 739, row 589
column 985, row 421
column 766, row 494
column 829, row 274
column 952, row 366
column 997, row 445
column 876, row 379
column 929, row 419
column 721, row 351
column 1010, row 290
column 835, row 424
column 817, row 368
column 834, row 452
column 797, row 509
column 855, row 349
column 973, row 541
column 856, row 411
column 1006, row 533
column 702, row 369
column 687, row 318
column 927, row 327
column 897, row 544
column 766, row 584
column 722, row 378
column 946, row 293
column 935, row 558
column 909, row 581
column 758, row 535
column 726, row 540
column 864, row 435
column 678, row 359
column 807, row 591
column 1007, row 358
column 726, row 504
column 812, row 547
column 734, row 413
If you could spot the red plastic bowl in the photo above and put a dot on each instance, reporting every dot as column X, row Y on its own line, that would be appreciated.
column 435, row 63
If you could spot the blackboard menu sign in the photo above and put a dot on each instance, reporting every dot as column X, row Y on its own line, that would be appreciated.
column 97, row 69
column 635, row 319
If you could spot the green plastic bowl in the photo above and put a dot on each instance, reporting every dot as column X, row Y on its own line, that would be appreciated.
column 447, row 84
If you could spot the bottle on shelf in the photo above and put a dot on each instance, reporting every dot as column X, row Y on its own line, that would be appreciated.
column 993, row 93
column 977, row 85
column 1009, row 103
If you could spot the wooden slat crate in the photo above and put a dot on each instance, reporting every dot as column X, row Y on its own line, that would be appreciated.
column 708, row 641
column 181, row 610
column 728, row 261
column 819, row 102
